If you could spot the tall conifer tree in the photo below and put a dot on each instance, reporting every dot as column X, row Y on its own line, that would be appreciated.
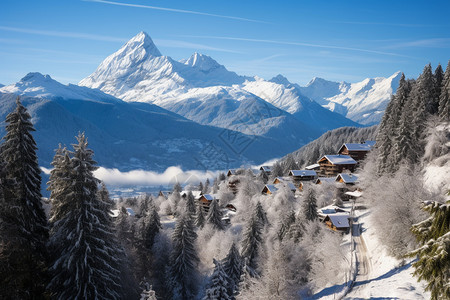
column 23, row 223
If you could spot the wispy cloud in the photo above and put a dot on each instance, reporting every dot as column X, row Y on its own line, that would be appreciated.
column 176, row 10
column 188, row 45
column 423, row 43
column 77, row 35
column 295, row 44
column 381, row 24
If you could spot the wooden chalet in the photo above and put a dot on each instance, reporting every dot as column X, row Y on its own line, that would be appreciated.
column 348, row 179
column 231, row 172
column 302, row 175
column 356, row 151
column 331, row 165
column 269, row 189
column 285, row 180
column 205, row 200
column 338, row 222
column 266, row 170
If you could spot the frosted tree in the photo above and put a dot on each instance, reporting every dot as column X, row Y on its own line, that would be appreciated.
column 383, row 140
column 310, row 205
column 144, row 206
column 261, row 214
column 152, row 226
column 286, row 222
column 214, row 216
column 232, row 265
column 190, row 204
column 252, row 241
column 23, row 224
column 183, row 272
column 206, row 187
column 438, row 79
column 200, row 217
column 177, row 188
column 218, row 288
column 404, row 142
column 433, row 264
column 200, row 186
column 277, row 170
column 289, row 164
column 86, row 257
column 444, row 99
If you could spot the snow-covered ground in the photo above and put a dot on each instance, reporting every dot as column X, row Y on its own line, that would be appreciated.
column 381, row 276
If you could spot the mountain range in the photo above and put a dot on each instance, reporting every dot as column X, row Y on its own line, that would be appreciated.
column 141, row 109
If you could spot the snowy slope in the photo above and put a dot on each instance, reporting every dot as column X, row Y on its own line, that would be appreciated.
column 127, row 135
column 202, row 90
column 363, row 102
column 287, row 96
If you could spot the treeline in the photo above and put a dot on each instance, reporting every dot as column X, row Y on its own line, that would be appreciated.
column 414, row 134
column 402, row 133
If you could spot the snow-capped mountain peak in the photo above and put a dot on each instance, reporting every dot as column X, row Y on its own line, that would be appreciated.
column 202, row 62
column 43, row 86
column 142, row 41
column 280, row 79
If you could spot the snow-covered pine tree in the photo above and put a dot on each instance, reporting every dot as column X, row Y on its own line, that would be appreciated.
column 144, row 206
column 200, row 186
column 200, row 217
column 183, row 272
column 218, row 288
column 285, row 223
column 248, row 277
column 261, row 214
column 422, row 95
column 86, row 258
column 444, row 99
column 438, row 78
column 206, row 186
column 252, row 240
column 24, row 228
column 277, row 170
column 289, row 164
column 403, row 141
column 433, row 264
column 214, row 216
column 152, row 225
column 384, row 140
column 232, row 265
column 310, row 205
column 190, row 204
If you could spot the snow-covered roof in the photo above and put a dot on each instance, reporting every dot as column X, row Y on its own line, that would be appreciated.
column 370, row 143
column 282, row 179
column 196, row 194
column 271, row 187
column 232, row 171
column 302, row 173
column 325, row 179
column 355, row 194
column 265, row 168
column 312, row 167
column 347, row 178
column 290, row 185
column 208, row 197
column 340, row 159
column 331, row 209
column 339, row 220
column 356, row 147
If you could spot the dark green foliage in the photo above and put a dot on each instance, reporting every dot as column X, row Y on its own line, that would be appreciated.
column 183, row 260
column 218, row 288
column 200, row 217
column 444, row 99
column 214, row 216
column 152, row 225
column 310, row 205
column 86, row 259
column 23, row 224
column 433, row 264
column 232, row 265
column 252, row 240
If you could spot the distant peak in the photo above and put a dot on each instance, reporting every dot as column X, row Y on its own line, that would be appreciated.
column 203, row 62
column 143, row 40
column 36, row 76
column 280, row 79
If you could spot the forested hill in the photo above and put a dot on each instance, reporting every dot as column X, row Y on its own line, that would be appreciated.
column 329, row 143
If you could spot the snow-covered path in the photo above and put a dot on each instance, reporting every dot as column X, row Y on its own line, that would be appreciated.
column 379, row 275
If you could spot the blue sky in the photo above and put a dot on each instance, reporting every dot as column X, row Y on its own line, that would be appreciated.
column 336, row 40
